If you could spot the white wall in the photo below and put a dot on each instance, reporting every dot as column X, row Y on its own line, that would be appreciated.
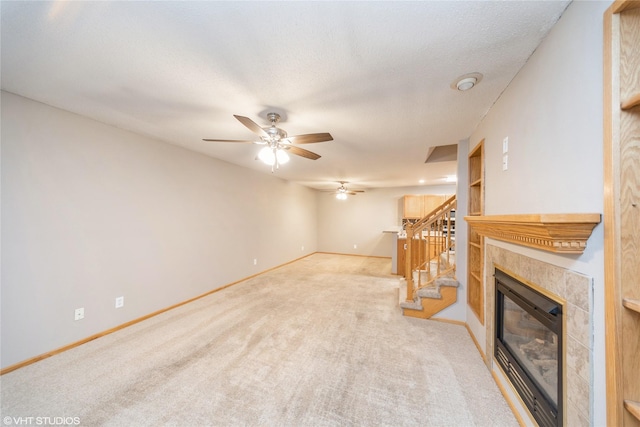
column 360, row 220
column 552, row 114
column 91, row 212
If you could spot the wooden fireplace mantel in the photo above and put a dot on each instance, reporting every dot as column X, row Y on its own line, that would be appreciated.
column 563, row 233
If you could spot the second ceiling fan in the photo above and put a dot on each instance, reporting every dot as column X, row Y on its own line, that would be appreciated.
column 343, row 191
column 276, row 141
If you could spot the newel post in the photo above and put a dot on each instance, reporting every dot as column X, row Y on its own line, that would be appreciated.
column 408, row 270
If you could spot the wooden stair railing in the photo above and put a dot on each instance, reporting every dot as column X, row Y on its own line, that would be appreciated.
column 430, row 240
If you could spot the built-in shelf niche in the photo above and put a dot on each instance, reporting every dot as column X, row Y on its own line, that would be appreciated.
column 475, row 245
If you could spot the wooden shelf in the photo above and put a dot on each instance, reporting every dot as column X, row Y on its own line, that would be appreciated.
column 633, row 408
column 631, row 304
column 562, row 233
column 631, row 102
column 476, row 183
column 622, row 5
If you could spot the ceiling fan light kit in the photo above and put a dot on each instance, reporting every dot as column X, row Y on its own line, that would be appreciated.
column 273, row 156
column 277, row 142
column 282, row 157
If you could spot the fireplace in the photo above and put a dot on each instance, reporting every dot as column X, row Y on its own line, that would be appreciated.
column 528, row 346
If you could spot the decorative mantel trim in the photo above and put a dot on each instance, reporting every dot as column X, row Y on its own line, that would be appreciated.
column 564, row 233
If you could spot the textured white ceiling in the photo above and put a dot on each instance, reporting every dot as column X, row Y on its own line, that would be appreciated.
column 376, row 75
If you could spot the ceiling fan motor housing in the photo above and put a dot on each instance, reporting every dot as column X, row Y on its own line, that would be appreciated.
column 275, row 134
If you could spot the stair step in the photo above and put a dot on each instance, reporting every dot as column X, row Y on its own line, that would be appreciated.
column 447, row 281
column 429, row 292
column 415, row 305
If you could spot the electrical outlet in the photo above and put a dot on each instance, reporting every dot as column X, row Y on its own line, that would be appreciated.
column 119, row 302
column 79, row 314
column 505, row 162
column 505, row 145
column 255, row 261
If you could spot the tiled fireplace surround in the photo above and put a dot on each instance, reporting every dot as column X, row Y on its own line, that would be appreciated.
column 576, row 290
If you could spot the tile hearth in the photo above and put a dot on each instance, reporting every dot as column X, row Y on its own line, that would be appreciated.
column 577, row 290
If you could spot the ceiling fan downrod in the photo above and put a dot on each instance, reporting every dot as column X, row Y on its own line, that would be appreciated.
column 273, row 118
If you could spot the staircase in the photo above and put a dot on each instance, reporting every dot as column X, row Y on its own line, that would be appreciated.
column 431, row 285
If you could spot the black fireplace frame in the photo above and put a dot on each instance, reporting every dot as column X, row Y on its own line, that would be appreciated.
column 549, row 313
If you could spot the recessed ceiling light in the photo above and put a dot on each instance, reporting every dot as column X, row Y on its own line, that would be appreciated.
column 466, row 82
column 422, row 181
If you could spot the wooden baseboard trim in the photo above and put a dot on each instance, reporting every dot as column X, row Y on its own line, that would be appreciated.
column 444, row 320
column 473, row 338
column 48, row 354
column 360, row 255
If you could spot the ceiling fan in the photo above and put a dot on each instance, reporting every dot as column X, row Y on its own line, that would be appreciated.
column 276, row 141
column 343, row 191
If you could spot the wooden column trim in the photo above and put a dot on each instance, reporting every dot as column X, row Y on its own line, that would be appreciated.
column 611, row 100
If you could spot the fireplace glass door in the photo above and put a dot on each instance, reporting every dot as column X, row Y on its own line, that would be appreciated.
column 534, row 346
column 528, row 346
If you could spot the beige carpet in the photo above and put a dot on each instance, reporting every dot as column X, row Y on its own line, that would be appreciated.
column 319, row 342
